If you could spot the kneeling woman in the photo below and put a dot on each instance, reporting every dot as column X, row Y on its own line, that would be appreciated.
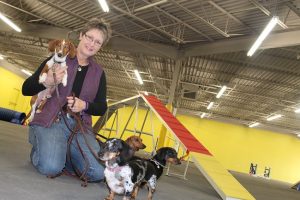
column 48, row 132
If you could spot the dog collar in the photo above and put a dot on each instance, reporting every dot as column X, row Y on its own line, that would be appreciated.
column 114, row 169
column 57, row 61
column 158, row 164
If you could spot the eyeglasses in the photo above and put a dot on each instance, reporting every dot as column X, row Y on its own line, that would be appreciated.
column 91, row 39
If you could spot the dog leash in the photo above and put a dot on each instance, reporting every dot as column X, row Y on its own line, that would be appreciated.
column 73, row 135
column 78, row 126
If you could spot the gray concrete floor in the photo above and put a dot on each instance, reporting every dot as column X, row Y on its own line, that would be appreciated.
column 19, row 180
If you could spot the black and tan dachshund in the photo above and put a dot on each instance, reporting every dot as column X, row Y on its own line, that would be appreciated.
column 125, row 175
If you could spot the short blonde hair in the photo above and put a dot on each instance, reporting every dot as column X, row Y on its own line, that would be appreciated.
column 100, row 24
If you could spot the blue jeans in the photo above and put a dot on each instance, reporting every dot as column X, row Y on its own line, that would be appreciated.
column 49, row 150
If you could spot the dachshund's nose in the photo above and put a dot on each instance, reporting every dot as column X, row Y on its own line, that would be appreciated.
column 100, row 154
column 178, row 161
column 59, row 55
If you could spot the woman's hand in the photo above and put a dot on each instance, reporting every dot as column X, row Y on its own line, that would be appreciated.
column 59, row 73
column 75, row 104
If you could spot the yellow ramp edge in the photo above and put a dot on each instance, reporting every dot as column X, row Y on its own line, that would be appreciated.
column 222, row 181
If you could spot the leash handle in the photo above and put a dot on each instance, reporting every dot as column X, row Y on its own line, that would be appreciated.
column 73, row 95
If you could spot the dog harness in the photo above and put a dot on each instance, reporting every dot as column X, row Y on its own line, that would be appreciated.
column 158, row 164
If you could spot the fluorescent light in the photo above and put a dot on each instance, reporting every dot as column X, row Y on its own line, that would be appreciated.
column 254, row 124
column 1, row 57
column 150, row 5
column 203, row 115
column 10, row 23
column 297, row 111
column 104, row 5
column 263, row 35
column 210, row 105
column 274, row 117
column 26, row 72
column 221, row 91
column 138, row 76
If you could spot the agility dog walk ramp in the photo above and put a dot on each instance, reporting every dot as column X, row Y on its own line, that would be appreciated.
column 222, row 181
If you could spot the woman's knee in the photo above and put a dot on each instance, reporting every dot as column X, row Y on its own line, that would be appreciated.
column 50, row 168
column 96, row 173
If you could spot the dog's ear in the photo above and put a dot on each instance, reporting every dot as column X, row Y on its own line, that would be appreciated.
column 160, row 154
column 126, row 153
column 129, row 141
column 52, row 44
column 72, row 52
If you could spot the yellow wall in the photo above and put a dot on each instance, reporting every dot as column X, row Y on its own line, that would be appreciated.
column 237, row 146
column 11, row 92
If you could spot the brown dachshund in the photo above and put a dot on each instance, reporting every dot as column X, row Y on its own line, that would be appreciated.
column 61, row 49
column 135, row 142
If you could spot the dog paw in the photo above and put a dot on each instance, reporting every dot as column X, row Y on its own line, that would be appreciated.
column 64, row 82
column 42, row 78
column 84, row 184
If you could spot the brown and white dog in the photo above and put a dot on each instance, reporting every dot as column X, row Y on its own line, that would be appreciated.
column 124, row 176
column 135, row 142
column 61, row 49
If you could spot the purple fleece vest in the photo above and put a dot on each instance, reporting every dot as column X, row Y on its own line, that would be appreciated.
column 88, row 93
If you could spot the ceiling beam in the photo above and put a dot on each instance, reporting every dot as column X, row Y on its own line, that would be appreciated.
column 267, row 12
column 171, row 36
column 175, row 80
column 293, row 8
column 229, row 15
column 210, row 24
column 275, row 40
column 182, row 22
column 116, row 43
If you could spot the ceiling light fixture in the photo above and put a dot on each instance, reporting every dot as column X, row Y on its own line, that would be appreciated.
column 150, row 5
column 203, row 115
column 273, row 117
column 138, row 76
column 210, row 105
column 26, row 72
column 297, row 110
column 10, row 23
column 1, row 57
column 263, row 35
column 220, row 93
column 146, row 93
column 254, row 124
column 104, row 5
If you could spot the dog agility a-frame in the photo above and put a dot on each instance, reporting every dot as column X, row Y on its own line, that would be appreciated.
column 219, row 177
